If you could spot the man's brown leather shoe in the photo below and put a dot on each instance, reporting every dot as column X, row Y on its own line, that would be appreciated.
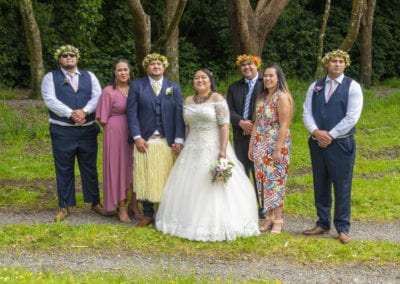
column 145, row 221
column 344, row 238
column 61, row 215
column 315, row 231
column 99, row 210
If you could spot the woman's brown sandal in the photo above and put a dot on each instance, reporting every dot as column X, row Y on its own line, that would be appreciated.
column 267, row 224
column 279, row 230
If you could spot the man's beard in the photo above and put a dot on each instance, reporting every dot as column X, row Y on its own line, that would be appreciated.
column 69, row 66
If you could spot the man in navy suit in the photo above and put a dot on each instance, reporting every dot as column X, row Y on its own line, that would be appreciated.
column 331, row 110
column 71, row 95
column 156, row 126
column 241, row 99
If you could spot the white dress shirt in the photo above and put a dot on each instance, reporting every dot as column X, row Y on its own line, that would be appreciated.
column 353, row 113
column 57, row 106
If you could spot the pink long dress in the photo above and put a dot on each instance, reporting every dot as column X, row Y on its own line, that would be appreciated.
column 117, row 153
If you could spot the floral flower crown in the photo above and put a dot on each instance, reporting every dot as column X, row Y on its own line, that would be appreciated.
column 248, row 57
column 155, row 56
column 66, row 48
column 336, row 53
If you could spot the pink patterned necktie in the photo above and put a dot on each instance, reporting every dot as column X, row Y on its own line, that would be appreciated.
column 331, row 89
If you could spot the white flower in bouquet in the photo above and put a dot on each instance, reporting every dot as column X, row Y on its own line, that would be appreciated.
column 221, row 170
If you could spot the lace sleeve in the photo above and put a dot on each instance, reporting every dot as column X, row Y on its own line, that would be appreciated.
column 222, row 112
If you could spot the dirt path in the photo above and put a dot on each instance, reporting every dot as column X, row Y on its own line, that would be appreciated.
column 245, row 269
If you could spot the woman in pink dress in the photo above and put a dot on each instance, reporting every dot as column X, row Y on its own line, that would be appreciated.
column 117, row 152
column 270, row 145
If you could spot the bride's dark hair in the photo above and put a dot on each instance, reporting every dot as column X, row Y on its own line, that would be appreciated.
column 210, row 75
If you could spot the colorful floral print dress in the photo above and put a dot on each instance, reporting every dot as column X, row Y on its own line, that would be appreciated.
column 270, row 177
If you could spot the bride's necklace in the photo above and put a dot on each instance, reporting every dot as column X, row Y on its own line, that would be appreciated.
column 124, row 90
column 199, row 100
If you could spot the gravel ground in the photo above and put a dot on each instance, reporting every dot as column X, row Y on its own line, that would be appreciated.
column 245, row 269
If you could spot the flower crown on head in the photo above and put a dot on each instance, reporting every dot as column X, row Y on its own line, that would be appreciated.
column 248, row 57
column 336, row 53
column 66, row 48
column 155, row 56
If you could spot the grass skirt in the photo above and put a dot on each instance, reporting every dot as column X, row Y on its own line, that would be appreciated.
column 151, row 170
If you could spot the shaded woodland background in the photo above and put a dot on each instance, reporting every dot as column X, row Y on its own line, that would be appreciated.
column 104, row 30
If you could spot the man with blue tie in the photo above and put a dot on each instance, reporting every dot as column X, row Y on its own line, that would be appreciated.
column 332, row 108
column 156, row 127
column 241, row 99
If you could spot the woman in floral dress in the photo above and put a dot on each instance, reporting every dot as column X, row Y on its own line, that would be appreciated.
column 270, row 145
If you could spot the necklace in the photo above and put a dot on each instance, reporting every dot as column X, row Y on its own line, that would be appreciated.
column 124, row 90
column 199, row 100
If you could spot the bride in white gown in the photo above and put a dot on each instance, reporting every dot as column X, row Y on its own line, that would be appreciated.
column 192, row 206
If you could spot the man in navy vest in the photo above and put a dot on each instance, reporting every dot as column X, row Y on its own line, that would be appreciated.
column 331, row 110
column 71, row 95
column 157, row 128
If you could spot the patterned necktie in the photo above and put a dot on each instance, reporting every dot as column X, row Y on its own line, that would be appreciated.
column 156, row 87
column 248, row 99
column 74, row 82
column 331, row 89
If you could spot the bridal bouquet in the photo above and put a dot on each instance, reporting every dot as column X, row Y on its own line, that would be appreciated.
column 221, row 170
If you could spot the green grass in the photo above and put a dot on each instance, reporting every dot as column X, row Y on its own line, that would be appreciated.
column 112, row 239
column 27, row 163
column 131, row 276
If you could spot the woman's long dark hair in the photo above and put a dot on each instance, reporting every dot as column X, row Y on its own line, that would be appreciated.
column 113, row 80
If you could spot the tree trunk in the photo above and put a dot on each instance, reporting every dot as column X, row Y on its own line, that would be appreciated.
column 320, row 69
column 366, row 44
column 34, row 43
column 142, row 31
column 173, row 13
column 354, row 25
column 250, row 28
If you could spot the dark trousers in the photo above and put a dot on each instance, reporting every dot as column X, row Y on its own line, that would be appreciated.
column 148, row 208
column 69, row 142
column 333, row 165
column 241, row 146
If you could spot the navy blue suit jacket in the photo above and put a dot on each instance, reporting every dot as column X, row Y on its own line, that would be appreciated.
column 141, row 110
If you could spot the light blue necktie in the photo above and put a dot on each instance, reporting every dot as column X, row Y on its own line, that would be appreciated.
column 248, row 99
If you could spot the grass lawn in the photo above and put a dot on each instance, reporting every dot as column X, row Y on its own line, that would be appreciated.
column 26, row 170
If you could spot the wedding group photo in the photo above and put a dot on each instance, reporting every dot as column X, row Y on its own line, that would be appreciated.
column 176, row 141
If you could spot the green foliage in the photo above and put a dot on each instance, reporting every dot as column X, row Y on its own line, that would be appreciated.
column 102, row 30
column 13, row 51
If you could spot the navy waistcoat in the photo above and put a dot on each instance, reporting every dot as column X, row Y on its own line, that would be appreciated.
column 66, row 94
column 328, row 114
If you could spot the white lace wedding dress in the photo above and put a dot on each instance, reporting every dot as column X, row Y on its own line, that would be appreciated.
column 193, row 207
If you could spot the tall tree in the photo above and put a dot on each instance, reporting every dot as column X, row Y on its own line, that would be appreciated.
column 366, row 43
column 354, row 25
column 352, row 31
column 142, row 29
column 34, row 43
column 173, row 12
column 250, row 27
column 319, row 71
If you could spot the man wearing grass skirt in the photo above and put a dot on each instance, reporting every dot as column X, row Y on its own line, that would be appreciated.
column 331, row 110
column 156, row 126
